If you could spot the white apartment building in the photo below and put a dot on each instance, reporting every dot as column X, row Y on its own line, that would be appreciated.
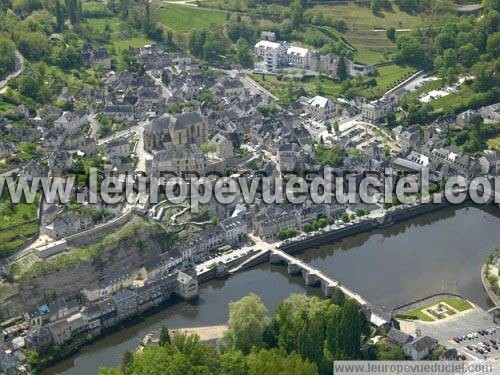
column 269, row 55
column 298, row 57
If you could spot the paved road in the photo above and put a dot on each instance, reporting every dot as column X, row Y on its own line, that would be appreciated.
column 165, row 90
column 18, row 68
column 461, row 324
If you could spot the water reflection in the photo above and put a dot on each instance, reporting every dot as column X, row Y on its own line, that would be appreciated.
column 389, row 267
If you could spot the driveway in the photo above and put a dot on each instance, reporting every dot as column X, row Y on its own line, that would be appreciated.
column 18, row 68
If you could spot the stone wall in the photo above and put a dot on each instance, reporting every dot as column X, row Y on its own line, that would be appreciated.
column 130, row 252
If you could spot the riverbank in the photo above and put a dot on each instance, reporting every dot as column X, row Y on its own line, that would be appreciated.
column 389, row 266
column 486, row 285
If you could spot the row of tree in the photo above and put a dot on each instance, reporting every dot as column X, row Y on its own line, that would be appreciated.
column 304, row 336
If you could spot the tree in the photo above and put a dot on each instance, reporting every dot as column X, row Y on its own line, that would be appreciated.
column 59, row 16
column 277, row 362
column 378, row 5
column 233, row 363
column 338, row 296
column 390, row 354
column 72, row 9
column 391, row 34
column 297, row 13
column 28, row 86
column 164, row 336
column 243, row 53
column 342, row 69
column 410, row 52
column 468, row 55
column 127, row 361
column 7, row 55
column 349, row 338
column 247, row 321
column 493, row 44
column 33, row 45
column 66, row 57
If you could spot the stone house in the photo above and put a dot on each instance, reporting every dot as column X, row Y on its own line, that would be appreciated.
column 231, row 87
column 376, row 110
column 318, row 107
column 420, row 348
column 235, row 230
column 398, row 338
column 59, row 162
column 126, row 303
column 466, row 117
column 60, row 331
column 71, row 122
column 108, row 285
column 187, row 286
column 68, row 224
column 120, row 112
column 33, row 318
column 38, row 339
column 188, row 160
column 117, row 148
column 224, row 146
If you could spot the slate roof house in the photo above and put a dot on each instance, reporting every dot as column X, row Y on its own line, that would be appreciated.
column 420, row 348
column 398, row 338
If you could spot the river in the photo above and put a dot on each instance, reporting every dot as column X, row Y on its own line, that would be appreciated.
column 389, row 267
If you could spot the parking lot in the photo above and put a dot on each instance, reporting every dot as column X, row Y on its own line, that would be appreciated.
column 467, row 323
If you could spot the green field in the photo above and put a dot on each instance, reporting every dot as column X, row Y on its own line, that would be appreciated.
column 427, row 87
column 18, row 223
column 184, row 18
column 122, row 37
column 458, row 98
column 311, row 85
column 360, row 17
column 387, row 77
column 456, row 303
column 362, row 25
column 494, row 143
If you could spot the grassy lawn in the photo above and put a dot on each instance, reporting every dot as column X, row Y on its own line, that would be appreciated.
column 388, row 76
column 362, row 17
column 183, row 18
column 458, row 304
column 312, row 85
column 18, row 223
column 5, row 107
column 429, row 86
column 122, row 37
column 494, row 143
column 454, row 99
column 371, row 45
column 419, row 314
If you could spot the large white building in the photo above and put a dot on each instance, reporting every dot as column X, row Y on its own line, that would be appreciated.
column 298, row 57
column 319, row 107
column 268, row 55
column 271, row 55
column 378, row 109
